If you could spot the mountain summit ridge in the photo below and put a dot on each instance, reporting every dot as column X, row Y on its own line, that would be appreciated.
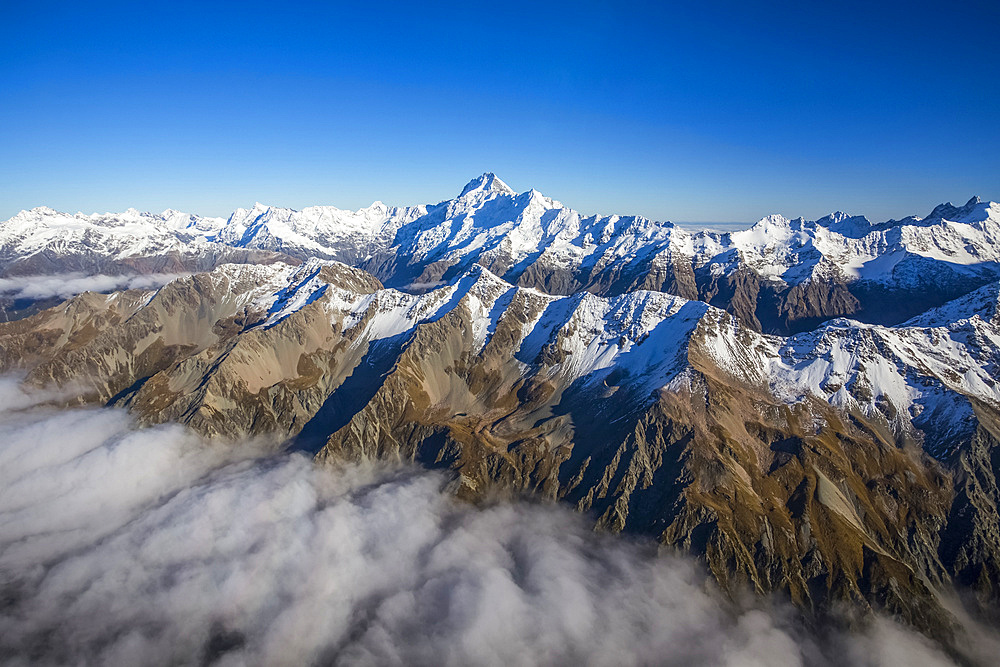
column 488, row 182
column 779, row 275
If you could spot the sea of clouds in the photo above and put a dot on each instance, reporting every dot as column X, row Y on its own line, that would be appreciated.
column 128, row 546
column 66, row 285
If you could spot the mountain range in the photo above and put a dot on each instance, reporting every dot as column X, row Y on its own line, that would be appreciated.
column 810, row 407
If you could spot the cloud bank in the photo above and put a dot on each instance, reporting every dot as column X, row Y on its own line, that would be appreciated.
column 70, row 284
column 152, row 546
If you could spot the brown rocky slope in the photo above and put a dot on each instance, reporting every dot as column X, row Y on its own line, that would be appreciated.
column 657, row 415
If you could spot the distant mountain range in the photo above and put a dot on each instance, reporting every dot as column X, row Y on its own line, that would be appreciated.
column 812, row 407
column 779, row 276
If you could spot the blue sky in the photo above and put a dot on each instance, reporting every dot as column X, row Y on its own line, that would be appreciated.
column 689, row 111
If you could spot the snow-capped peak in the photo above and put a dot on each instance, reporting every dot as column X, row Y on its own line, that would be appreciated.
column 531, row 239
column 770, row 230
column 40, row 210
column 489, row 183
column 848, row 226
column 973, row 211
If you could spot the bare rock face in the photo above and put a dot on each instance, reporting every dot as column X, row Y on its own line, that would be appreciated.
column 971, row 541
column 26, row 343
column 803, row 500
column 806, row 305
column 849, row 465
column 736, row 293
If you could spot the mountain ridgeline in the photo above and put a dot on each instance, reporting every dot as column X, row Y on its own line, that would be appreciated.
column 812, row 408
column 781, row 276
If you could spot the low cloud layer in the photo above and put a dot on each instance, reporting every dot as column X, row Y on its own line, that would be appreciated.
column 70, row 284
column 127, row 546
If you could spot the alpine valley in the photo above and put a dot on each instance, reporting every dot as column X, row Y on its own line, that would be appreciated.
column 810, row 407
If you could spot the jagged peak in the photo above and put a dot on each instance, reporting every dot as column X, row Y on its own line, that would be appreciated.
column 488, row 182
column 476, row 274
column 846, row 224
column 484, row 281
column 948, row 211
column 258, row 209
column 840, row 217
column 27, row 214
column 311, row 265
column 773, row 220
column 769, row 229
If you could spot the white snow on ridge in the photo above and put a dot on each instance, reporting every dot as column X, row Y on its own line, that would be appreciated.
column 904, row 373
column 919, row 370
column 793, row 250
column 899, row 372
column 304, row 287
column 321, row 231
column 918, row 373
column 644, row 334
column 491, row 224
column 125, row 234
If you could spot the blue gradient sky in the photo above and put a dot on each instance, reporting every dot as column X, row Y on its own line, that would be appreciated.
column 698, row 111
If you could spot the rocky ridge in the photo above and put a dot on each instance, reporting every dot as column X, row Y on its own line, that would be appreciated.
column 854, row 463
column 774, row 401
column 780, row 276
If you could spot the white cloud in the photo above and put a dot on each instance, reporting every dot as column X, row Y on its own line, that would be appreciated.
column 126, row 546
column 70, row 284
column 425, row 287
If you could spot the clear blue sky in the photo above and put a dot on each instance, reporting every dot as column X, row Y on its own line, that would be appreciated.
column 704, row 111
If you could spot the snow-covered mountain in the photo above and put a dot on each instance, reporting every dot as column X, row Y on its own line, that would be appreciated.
column 777, row 458
column 920, row 377
column 780, row 275
column 125, row 234
column 810, row 406
column 46, row 242
column 324, row 232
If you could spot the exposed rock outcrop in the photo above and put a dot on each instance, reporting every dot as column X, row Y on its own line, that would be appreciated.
column 852, row 464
